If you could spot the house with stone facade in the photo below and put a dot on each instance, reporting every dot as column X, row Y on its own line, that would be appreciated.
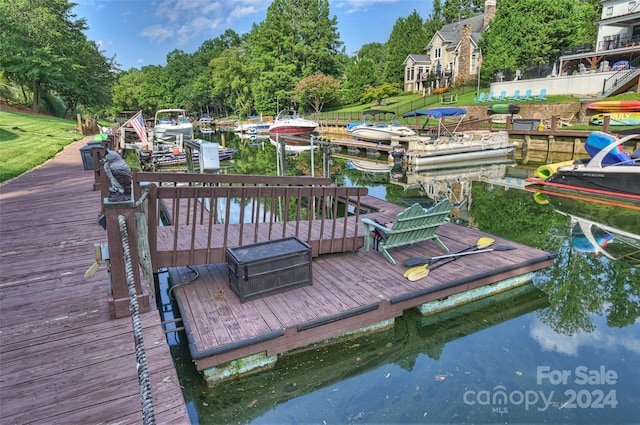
column 451, row 55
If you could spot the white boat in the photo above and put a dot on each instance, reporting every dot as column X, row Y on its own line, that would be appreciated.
column 373, row 167
column 291, row 145
column 290, row 123
column 381, row 131
column 171, row 129
column 254, row 125
column 469, row 146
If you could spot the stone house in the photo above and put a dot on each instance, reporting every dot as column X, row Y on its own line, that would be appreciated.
column 451, row 55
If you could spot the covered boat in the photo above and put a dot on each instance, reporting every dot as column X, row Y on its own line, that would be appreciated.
column 609, row 172
column 450, row 146
column 378, row 130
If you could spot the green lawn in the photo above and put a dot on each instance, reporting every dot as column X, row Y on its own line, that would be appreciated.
column 28, row 140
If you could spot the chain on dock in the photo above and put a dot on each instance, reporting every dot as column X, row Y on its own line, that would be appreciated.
column 141, row 360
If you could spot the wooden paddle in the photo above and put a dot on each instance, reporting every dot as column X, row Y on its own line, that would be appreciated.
column 482, row 243
column 423, row 271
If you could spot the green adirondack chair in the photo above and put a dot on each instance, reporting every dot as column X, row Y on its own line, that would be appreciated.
column 415, row 224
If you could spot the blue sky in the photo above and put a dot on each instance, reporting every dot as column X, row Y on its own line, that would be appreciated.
column 142, row 32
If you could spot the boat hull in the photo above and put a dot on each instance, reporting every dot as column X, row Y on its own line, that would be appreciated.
column 613, row 181
column 438, row 158
column 291, row 130
column 381, row 134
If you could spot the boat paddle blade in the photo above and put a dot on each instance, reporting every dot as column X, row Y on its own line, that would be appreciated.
column 415, row 269
column 418, row 274
column 482, row 243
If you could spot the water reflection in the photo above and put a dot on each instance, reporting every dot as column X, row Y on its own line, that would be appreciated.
column 578, row 319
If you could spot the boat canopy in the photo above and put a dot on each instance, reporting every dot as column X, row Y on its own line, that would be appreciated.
column 436, row 112
column 439, row 114
column 377, row 112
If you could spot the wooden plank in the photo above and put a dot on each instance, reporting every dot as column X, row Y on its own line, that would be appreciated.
column 63, row 359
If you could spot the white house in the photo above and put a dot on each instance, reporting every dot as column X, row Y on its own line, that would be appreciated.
column 451, row 55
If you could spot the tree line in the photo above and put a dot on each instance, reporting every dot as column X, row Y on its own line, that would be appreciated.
column 294, row 58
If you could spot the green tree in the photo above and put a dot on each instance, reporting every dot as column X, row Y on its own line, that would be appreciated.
column 360, row 74
column 37, row 42
column 232, row 81
column 296, row 39
column 316, row 90
column 91, row 82
column 519, row 39
column 435, row 21
column 378, row 94
column 407, row 36
column 457, row 10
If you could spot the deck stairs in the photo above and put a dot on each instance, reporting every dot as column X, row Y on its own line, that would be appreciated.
column 623, row 80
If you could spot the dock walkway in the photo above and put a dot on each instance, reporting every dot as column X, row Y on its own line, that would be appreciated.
column 62, row 359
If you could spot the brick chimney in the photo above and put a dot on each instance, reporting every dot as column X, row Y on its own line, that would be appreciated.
column 489, row 12
column 464, row 60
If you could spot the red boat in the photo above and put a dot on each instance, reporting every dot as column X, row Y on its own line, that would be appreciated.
column 290, row 123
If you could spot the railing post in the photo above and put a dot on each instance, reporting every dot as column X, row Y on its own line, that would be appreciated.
column 118, row 296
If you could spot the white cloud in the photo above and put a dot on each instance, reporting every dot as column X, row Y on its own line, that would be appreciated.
column 549, row 340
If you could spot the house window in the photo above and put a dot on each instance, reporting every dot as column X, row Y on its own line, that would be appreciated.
column 609, row 12
column 437, row 53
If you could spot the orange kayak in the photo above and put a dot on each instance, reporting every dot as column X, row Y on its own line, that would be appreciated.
column 616, row 106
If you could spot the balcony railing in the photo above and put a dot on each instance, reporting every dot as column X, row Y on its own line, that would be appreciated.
column 620, row 43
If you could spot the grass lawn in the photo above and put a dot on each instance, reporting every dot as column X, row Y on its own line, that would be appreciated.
column 28, row 140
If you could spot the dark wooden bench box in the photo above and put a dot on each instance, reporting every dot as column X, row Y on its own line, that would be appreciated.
column 269, row 267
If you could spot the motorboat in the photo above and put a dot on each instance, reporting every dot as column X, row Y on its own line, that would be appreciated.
column 290, row 123
column 171, row 129
column 610, row 171
column 254, row 125
column 376, row 130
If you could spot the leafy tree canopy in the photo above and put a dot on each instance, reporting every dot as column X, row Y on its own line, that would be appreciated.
column 43, row 46
column 407, row 36
column 519, row 39
column 316, row 90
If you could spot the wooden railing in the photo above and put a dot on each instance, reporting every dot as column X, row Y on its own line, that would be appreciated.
column 192, row 219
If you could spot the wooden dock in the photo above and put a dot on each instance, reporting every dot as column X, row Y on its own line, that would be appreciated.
column 352, row 292
column 62, row 359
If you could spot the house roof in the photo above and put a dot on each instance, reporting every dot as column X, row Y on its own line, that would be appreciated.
column 417, row 58
column 451, row 33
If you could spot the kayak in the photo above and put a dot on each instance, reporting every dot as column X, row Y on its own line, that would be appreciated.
column 617, row 118
column 616, row 106
column 504, row 108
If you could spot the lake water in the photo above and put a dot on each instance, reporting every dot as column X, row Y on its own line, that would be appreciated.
column 563, row 349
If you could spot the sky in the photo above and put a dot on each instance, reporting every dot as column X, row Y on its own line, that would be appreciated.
column 142, row 32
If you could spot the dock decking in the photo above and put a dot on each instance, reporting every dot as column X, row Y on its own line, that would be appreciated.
column 350, row 292
column 62, row 359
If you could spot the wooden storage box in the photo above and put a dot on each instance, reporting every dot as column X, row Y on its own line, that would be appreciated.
column 268, row 268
